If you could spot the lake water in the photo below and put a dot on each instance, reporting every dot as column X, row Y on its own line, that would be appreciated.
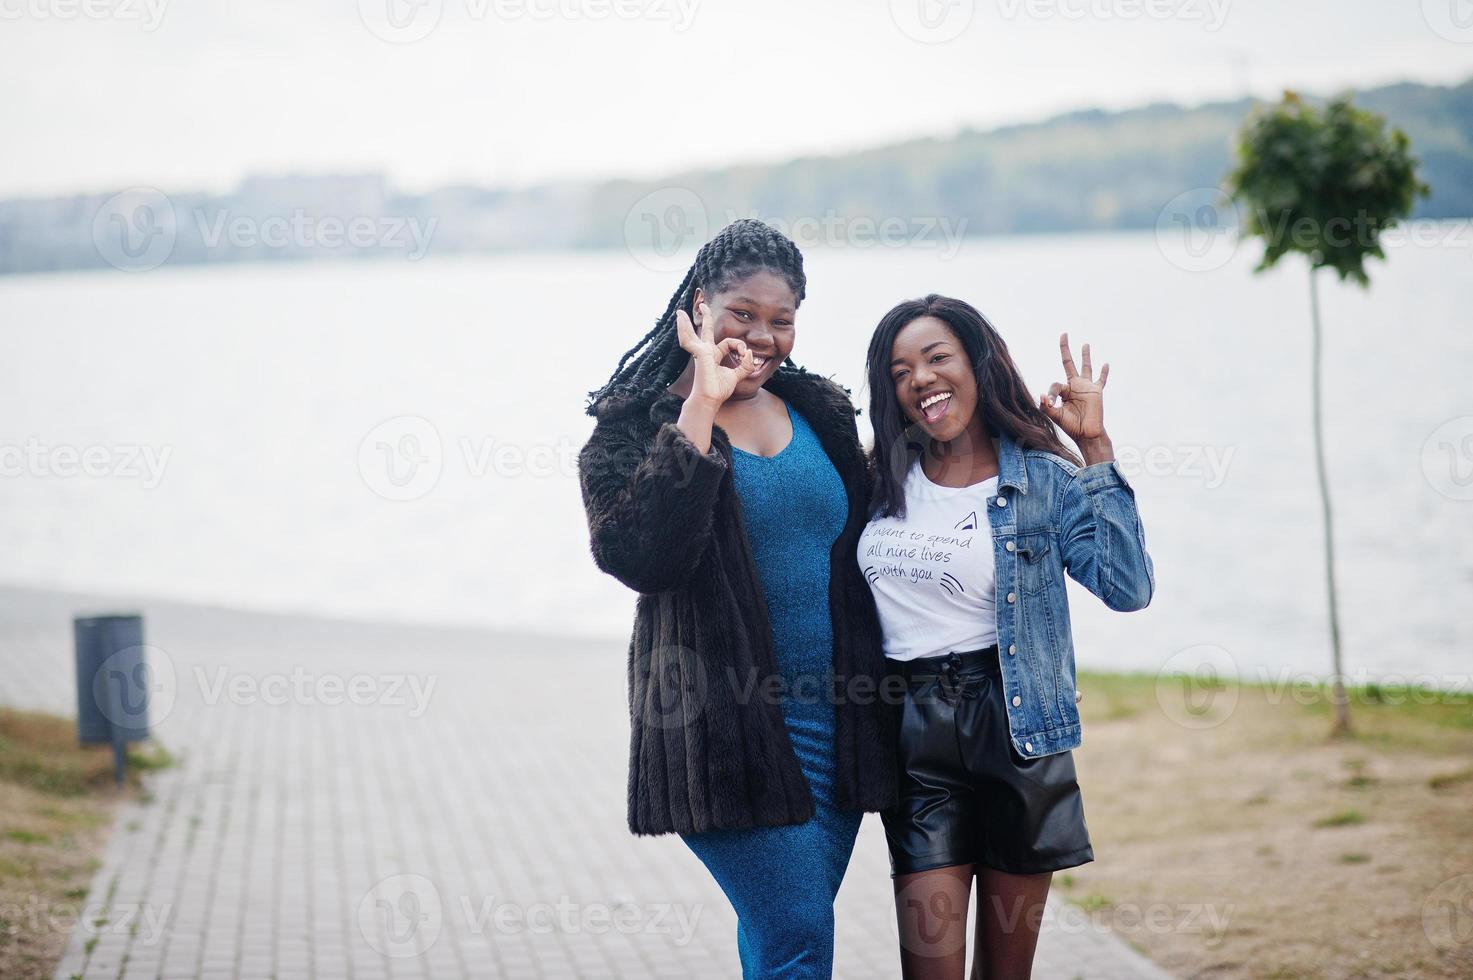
column 397, row 441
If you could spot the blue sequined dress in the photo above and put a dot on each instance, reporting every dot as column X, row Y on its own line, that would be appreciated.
column 782, row 880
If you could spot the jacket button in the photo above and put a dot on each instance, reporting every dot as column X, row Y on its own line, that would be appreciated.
column 1078, row 696
column 1012, row 649
column 1027, row 746
column 1010, row 546
column 1002, row 501
column 1017, row 700
column 1012, row 597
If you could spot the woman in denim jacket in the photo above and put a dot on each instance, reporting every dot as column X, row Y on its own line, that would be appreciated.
column 979, row 510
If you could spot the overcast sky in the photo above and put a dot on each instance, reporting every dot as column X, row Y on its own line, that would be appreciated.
column 194, row 94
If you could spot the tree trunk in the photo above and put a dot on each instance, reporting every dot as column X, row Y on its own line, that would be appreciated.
column 1342, row 704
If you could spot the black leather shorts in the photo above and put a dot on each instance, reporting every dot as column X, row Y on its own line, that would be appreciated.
column 966, row 796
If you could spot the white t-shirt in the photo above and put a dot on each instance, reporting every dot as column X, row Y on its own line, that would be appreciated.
column 932, row 571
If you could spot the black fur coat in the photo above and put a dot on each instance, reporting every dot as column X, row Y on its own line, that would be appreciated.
column 708, row 748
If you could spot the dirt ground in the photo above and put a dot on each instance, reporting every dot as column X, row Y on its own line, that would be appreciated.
column 1238, row 840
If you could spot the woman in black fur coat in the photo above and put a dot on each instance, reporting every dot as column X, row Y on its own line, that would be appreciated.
column 727, row 486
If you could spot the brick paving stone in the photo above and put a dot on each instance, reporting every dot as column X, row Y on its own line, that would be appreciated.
column 327, row 820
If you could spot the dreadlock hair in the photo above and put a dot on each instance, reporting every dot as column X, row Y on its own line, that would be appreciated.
column 740, row 249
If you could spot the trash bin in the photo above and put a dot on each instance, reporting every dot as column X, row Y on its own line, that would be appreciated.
column 112, row 683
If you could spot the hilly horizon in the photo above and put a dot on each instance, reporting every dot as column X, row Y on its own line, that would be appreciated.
column 1086, row 170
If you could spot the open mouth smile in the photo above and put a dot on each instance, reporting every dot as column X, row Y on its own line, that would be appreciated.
column 934, row 407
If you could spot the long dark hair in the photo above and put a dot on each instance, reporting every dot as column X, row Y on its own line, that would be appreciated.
column 1002, row 397
column 741, row 248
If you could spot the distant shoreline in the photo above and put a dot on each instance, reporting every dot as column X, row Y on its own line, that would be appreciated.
column 21, row 604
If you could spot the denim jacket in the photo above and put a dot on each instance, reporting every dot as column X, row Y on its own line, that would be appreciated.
column 1050, row 517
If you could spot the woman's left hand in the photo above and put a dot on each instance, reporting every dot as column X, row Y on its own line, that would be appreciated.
column 1080, row 410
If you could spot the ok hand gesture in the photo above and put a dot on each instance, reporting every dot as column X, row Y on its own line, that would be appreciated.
column 718, row 368
column 1080, row 407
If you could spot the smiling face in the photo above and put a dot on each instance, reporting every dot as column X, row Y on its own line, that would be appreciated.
column 934, row 382
column 759, row 310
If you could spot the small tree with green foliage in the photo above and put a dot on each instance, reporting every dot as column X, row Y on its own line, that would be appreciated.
column 1324, row 183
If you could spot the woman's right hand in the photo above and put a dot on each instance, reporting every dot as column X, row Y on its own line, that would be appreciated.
column 717, row 368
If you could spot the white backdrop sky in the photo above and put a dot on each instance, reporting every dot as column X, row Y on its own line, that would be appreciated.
column 194, row 94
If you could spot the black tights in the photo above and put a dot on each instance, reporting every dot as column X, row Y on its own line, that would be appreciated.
column 931, row 910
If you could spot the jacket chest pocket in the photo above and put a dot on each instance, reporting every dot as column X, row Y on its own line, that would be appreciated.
column 1036, row 563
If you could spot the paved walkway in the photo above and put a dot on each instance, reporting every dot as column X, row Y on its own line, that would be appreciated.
column 465, row 819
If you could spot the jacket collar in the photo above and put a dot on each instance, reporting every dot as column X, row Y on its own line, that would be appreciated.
column 1012, row 470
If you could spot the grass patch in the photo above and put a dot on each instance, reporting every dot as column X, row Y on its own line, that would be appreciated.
column 1447, row 780
column 1345, row 818
column 57, row 799
column 41, row 751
